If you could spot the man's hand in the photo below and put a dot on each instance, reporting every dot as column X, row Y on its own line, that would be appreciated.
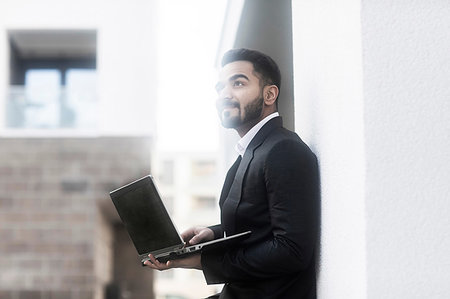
column 190, row 262
column 191, row 236
column 197, row 234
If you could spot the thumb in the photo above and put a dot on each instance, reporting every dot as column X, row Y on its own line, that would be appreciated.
column 194, row 240
column 200, row 237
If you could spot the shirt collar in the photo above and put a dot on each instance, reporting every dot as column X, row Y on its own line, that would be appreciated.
column 243, row 143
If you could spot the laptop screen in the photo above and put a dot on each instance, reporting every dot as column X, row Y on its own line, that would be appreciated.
column 145, row 217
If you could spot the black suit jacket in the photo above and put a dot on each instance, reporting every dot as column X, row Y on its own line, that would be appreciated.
column 273, row 192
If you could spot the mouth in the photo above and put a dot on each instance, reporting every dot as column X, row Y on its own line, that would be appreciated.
column 227, row 110
column 229, row 106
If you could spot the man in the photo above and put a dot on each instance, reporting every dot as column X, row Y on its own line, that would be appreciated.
column 271, row 189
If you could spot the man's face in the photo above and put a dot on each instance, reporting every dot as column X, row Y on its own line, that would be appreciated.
column 240, row 99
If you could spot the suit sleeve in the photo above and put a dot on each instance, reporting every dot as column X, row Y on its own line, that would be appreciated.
column 291, row 180
column 218, row 231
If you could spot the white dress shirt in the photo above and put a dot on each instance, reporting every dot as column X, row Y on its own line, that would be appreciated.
column 243, row 143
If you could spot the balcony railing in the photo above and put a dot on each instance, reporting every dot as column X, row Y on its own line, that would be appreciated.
column 51, row 109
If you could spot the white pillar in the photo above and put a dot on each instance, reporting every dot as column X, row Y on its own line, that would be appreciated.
column 407, row 135
column 372, row 96
column 329, row 117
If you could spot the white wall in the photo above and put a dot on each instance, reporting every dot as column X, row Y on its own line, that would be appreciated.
column 126, row 55
column 407, row 135
column 372, row 96
column 329, row 109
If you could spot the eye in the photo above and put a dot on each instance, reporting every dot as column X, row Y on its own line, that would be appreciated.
column 238, row 83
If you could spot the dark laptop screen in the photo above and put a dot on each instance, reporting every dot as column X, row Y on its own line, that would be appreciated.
column 145, row 217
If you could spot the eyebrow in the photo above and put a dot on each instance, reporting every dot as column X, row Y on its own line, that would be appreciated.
column 220, row 85
column 237, row 76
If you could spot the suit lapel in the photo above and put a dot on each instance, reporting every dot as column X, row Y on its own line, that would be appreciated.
column 229, row 180
column 234, row 195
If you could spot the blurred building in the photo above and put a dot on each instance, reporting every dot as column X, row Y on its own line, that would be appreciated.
column 76, row 121
column 60, row 235
column 189, row 183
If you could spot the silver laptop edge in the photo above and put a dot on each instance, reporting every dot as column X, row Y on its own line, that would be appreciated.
column 192, row 248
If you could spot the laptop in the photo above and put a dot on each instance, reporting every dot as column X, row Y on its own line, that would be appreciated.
column 150, row 227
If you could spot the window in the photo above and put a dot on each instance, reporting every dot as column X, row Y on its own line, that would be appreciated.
column 52, row 79
column 40, row 108
column 80, row 102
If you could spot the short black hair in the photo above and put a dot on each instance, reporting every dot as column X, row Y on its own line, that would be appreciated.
column 262, row 64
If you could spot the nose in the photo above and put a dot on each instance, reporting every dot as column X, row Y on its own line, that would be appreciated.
column 224, row 96
column 225, row 93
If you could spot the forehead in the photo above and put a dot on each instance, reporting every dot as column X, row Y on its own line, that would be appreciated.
column 237, row 67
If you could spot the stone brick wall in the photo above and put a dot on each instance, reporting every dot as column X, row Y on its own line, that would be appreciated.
column 57, row 223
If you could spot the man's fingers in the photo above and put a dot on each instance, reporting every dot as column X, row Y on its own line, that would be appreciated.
column 186, row 236
column 197, row 238
column 191, row 262
column 194, row 240
column 205, row 234
column 194, row 234
column 155, row 264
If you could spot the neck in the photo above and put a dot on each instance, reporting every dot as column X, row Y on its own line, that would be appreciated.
column 242, row 130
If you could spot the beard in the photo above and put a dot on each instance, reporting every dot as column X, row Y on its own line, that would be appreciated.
column 252, row 114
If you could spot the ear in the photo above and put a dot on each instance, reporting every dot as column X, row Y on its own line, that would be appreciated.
column 270, row 94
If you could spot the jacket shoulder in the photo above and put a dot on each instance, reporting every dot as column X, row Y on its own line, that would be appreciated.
column 282, row 138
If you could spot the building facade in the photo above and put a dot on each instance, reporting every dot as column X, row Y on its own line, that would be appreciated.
column 76, row 121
